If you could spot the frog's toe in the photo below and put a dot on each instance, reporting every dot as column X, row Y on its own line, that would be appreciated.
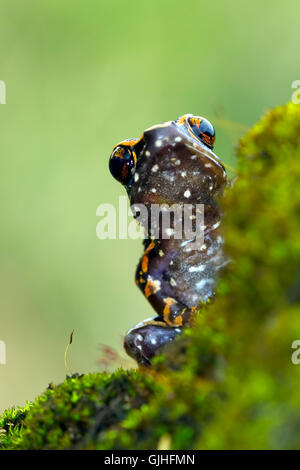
column 142, row 342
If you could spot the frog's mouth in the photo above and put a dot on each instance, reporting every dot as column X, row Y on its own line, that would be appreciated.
column 215, row 159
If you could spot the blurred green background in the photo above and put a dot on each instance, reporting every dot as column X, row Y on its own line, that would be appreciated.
column 81, row 76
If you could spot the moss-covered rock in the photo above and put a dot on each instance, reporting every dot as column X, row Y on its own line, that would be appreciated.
column 74, row 412
column 229, row 382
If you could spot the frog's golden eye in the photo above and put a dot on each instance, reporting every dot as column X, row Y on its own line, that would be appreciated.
column 203, row 130
column 122, row 164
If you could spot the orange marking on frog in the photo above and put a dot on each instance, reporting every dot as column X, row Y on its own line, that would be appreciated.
column 150, row 247
column 145, row 262
column 177, row 320
column 151, row 287
column 145, row 259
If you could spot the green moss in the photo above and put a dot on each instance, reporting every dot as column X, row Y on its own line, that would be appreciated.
column 228, row 382
column 69, row 414
column 11, row 423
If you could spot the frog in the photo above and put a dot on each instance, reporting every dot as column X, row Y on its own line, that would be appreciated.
column 173, row 163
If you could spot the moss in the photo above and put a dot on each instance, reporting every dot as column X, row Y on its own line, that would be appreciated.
column 11, row 426
column 229, row 381
column 70, row 414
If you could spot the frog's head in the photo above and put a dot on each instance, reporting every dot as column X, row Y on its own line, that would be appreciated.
column 170, row 162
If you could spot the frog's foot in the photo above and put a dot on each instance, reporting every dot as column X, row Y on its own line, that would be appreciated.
column 142, row 341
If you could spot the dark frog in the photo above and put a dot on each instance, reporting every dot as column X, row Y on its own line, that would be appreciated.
column 173, row 163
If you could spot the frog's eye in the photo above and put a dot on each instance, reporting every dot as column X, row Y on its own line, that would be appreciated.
column 203, row 130
column 122, row 164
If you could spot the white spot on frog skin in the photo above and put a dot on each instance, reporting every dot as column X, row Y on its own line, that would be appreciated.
column 197, row 269
column 136, row 177
column 185, row 242
column 187, row 193
column 153, row 190
column 211, row 187
column 193, row 157
column 203, row 282
column 161, row 253
column 177, row 162
column 208, row 165
column 178, row 139
column 158, row 143
column 140, row 338
column 178, row 330
column 173, row 282
column 171, row 262
column 157, row 284
column 153, row 341
column 139, row 347
column 147, row 153
column 216, row 225
column 154, row 168
column 203, row 247
column 183, row 174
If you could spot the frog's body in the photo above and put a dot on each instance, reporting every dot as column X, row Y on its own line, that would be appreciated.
column 173, row 163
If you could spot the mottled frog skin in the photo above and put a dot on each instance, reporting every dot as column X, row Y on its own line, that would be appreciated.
column 173, row 163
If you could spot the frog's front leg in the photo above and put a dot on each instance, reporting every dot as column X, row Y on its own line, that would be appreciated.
column 143, row 341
